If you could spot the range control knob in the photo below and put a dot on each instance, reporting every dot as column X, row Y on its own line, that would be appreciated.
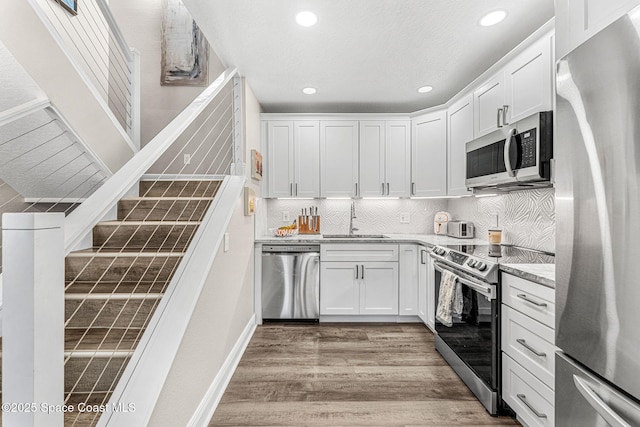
column 481, row 266
column 439, row 251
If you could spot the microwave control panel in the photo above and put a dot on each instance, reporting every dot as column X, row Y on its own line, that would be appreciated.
column 528, row 146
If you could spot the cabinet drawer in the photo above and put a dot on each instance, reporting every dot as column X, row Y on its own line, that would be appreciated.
column 532, row 299
column 529, row 343
column 355, row 252
column 527, row 395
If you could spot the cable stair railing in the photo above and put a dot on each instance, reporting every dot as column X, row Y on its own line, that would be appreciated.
column 120, row 286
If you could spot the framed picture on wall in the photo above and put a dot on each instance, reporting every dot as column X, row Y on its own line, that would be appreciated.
column 249, row 201
column 70, row 5
column 256, row 165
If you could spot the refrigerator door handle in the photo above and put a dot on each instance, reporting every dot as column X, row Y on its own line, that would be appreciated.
column 604, row 410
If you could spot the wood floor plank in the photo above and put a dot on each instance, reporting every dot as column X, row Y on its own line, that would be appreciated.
column 347, row 375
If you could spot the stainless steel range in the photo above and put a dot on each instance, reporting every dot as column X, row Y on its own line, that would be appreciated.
column 471, row 345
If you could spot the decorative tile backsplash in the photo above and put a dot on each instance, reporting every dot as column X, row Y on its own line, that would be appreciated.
column 527, row 218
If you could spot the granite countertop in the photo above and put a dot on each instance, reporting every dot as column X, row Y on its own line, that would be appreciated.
column 543, row 274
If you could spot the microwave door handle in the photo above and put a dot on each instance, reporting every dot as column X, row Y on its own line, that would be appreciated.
column 507, row 148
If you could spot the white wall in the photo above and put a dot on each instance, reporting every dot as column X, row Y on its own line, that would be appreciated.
column 16, row 86
column 141, row 25
column 223, row 310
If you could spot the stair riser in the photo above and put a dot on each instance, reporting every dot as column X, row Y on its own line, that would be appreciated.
column 120, row 269
column 109, row 313
column 178, row 188
column 173, row 238
column 84, row 374
column 162, row 210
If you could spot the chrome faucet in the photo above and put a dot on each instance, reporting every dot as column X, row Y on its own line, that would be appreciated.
column 352, row 217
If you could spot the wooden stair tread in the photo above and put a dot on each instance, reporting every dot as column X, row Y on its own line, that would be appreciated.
column 92, row 252
column 101, row 339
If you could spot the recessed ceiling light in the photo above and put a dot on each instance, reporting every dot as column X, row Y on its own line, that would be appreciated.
column 492, row 18
column 425, row 89
column 306, row 18
column 309, row 90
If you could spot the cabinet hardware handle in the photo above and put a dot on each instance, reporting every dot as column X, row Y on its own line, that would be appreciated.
column 505, row 108
column 387, row 188
column 291, row 189
column 422, row 258
column 362, row 274
column 296, row 188
column 498, row 118
column 523, row 399
column 413, row 188
column 356, row 189
column 531, row 349
column 527, row 299
column 383, row 188
column 357, row 271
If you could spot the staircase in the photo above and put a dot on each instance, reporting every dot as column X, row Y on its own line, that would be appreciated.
column 113, row 289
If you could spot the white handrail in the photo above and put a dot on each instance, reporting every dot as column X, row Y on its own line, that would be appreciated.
column 113, row 26
column 80, row 222
column 22, row 110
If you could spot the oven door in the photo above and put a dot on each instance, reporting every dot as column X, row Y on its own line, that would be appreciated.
column 474, row 337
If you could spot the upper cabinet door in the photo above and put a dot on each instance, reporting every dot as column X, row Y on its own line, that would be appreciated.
column 398, row 158
column 579, row 20
column 528, row 80
column 460, row 126
column 339, row 158
column 429, row 155
column 372, row 158
column 280, row 158
column 488, row 104
column 306, row 136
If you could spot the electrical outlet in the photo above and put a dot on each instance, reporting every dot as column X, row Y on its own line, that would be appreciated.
column 187, row 159
column 405, row 218
column 285, row 216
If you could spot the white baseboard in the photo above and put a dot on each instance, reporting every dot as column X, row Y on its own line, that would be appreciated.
column 209, row 403
column 374, row 318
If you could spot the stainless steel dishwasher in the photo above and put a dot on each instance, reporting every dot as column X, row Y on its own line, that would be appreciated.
column 290, row 282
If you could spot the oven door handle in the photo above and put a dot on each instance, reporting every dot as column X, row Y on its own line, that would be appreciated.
column 484, row 290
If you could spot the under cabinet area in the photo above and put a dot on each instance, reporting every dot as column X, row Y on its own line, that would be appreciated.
column 351, row 284
column 528, row 350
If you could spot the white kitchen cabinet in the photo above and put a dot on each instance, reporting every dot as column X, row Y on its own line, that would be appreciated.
column 306, row 148
column 429, row 155
column 528, row 349
column 409, row 281
column 423, row 259
column 358, row 279
column 339, row 158
column 578, row 20
column 460, row 130
column 431, row 294
column 293, row 158
column 385, row 158
column 279, row 169
column 339, row 288
column 488, row 104
column 528, row 81
column 358, row 288
column 379, row 288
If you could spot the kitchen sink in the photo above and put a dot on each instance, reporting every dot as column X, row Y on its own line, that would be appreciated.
column 354, row 236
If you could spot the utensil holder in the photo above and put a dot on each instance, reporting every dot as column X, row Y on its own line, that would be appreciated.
column 309, row 224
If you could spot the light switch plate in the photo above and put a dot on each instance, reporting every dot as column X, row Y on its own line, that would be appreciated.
column 405, row 218
column 226, row 242
column 285, row 216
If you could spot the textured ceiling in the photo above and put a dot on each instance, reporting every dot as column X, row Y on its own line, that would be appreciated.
column 363, row 55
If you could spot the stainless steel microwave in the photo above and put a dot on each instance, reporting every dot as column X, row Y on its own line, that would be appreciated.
column 514, row 157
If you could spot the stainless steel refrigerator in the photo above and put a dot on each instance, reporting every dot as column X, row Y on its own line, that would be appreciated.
column 597, row 151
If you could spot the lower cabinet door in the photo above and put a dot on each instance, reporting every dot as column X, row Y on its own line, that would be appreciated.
column 339, row 288
column 379, row 288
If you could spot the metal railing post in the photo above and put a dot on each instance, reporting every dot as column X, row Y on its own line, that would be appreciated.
column 238, row 165
column 33, row 324
column 136, row 119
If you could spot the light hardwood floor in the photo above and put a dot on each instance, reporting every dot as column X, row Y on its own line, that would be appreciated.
column 346, row 375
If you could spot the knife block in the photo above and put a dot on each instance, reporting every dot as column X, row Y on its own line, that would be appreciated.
column 309, row 224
